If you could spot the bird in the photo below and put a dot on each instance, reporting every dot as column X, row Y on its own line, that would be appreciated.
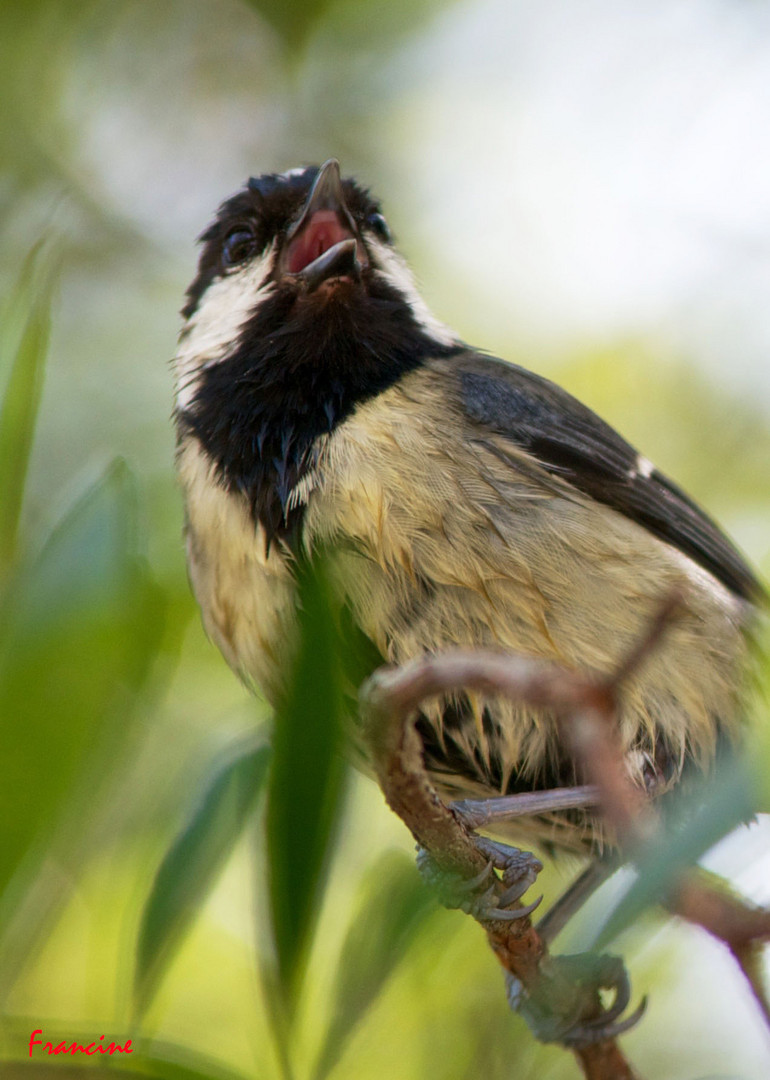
column 466, row 502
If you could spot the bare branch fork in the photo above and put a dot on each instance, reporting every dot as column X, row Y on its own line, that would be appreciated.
column 585, row 710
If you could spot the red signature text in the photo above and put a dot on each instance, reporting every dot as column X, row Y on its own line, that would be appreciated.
column 76, row 1048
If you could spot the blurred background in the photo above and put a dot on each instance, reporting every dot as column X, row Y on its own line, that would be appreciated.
column 581, row 188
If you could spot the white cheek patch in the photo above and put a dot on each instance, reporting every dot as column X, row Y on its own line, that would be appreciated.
column 395, row 269
column 212, row 329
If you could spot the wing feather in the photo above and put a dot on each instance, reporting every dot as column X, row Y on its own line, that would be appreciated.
column 572, row 442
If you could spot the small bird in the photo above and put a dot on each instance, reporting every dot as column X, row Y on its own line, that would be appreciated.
column 466, row 502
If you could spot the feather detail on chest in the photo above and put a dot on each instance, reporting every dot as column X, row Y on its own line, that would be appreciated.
column 439, row 542
column 244, row 586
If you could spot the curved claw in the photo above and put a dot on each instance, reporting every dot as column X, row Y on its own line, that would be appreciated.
column 471, row 884
column 433, row 876
column 496, row 913
column 476, row 905
column 588, row 1033
column 519, row 870
column 513, row 892
column 438, row 879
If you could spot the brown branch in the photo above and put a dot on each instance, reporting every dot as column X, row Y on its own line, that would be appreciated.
column 587, row 718
column 389, row 699
column 742, row 928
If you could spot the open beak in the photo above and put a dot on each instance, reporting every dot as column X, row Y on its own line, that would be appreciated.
column 324, row 243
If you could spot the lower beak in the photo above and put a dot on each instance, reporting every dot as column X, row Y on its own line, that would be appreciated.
column 340, row 260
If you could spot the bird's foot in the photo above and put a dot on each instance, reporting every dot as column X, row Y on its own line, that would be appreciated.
column 487, row 896
column 565, row 1006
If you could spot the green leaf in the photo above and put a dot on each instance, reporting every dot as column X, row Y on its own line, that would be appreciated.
column 171, row 1061
column 192, row 863
column 78, row 632
column 714, row 809
column 306, row 780
column 28, row 309
column 395, row 906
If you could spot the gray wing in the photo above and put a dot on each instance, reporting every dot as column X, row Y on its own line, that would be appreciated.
column 572, row 442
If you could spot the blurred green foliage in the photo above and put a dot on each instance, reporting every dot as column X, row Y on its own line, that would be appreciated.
column 142, row 837
column 393, row 909
column 306, row 780
column 192, row 863
column 699, row 821
column 367, row 20
column 27, row 309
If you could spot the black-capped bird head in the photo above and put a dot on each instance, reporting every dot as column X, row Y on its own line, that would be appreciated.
column 300, row 290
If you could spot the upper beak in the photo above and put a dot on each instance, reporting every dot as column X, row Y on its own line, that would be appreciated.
column 324, row 242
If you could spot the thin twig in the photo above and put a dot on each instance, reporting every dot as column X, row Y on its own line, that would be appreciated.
column 742, row 928
column 661, row 621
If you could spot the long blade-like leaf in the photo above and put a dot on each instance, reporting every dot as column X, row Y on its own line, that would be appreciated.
column 79, row 628
column 20, row 403
column 305, row 781
column 190, row 867
column 395, row 906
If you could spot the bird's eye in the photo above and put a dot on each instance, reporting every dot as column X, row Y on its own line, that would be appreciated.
column 379, row 226
column 239, row 245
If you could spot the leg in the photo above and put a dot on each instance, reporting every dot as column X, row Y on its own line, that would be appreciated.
column 476, row 813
